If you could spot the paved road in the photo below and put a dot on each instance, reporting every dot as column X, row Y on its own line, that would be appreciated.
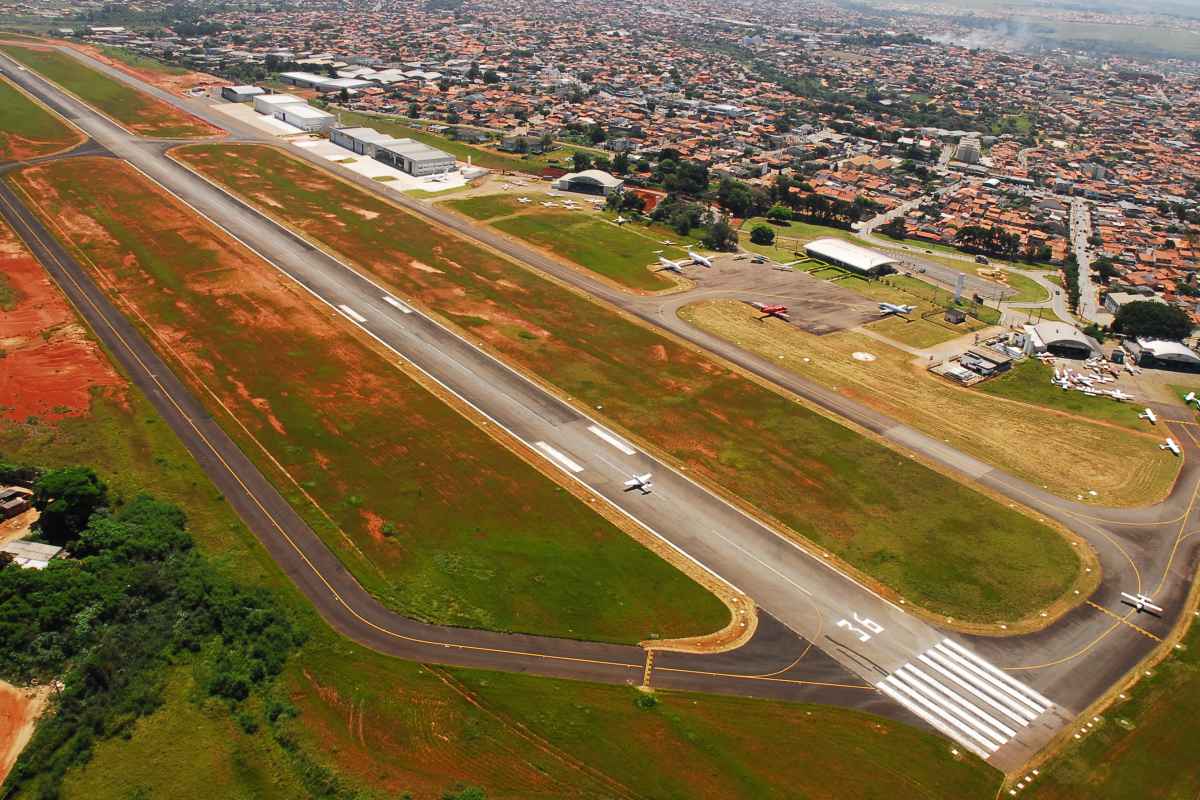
column 808, row 597
column 1081, row 230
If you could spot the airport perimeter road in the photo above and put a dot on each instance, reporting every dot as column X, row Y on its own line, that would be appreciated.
column 1073, row 661
column 936, row 677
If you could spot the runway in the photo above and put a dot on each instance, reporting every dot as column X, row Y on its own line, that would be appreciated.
column 864, row 640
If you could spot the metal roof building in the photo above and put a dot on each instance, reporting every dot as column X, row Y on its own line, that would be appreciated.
column 850, row 256
column 590, row 181
column 1060, row 339
column 1164, row 353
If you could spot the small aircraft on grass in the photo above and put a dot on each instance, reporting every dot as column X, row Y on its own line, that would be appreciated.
column 640, row 482
column 621, row 220
column 892, row 308
column 1149, row 414
column 1141, row 602
column 777, row 311
column 1172, row 445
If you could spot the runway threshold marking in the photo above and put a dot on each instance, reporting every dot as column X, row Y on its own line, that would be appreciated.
column 1119, row 618
column 352, row 314
column 612, row 439
column 403, row 308
column 560, row 458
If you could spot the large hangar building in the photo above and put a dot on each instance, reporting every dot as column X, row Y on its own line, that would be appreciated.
column 850, row 256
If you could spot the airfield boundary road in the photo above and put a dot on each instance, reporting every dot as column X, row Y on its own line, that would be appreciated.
column 1073, row 661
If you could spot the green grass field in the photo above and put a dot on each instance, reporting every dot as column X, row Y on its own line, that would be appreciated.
column 1145, row 746
column 1029, row 382
column 141, row 62
column 484, row 207
column 430, row 514
column 359, row 724
column 879, row 510
column 138, row 112
column 915, row 330
column 27, row 130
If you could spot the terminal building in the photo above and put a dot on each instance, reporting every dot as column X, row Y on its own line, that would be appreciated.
column 590, row 181
column 850, row 256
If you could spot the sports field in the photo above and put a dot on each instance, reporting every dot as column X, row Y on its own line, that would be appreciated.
column 344, row 721
column 625, row 254
column 28, row 130
column 134, row 110
column 920, row 534
column 434, row 517
column 1068, row 452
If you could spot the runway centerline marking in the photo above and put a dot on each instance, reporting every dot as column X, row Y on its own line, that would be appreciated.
column 562, row 459
column 612, row 439
column 352, row 314
column 399, row 306
column 759, row 561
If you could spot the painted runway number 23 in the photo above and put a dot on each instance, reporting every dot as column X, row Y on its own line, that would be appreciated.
column 861, row 630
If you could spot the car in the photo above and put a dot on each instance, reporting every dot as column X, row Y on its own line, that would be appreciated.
column 929, row 251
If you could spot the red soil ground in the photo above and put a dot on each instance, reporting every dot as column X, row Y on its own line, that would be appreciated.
column 49, row 366
column 177, row 84
column 19, row 710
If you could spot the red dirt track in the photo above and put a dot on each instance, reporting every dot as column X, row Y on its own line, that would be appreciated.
column 50, row 365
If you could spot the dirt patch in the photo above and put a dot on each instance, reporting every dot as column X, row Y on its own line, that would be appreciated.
column 50, row 366
column 177, row 84
column 19, row 713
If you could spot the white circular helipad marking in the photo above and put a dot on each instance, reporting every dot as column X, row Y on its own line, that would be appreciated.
column 861, row 356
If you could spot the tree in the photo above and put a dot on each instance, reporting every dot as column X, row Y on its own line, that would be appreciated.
column 473, row 71
column 581, row 161
column 621, row 163
column 721, row 237
column 344, row 95
column 762, row 234
column 491, row 76
column 1153, row 320
column 896, row 227
column 735, row 196
column 67, row 498
column 778, row 213
column 596, row 134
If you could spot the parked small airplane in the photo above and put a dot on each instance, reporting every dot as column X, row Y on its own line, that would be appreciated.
column 639, row 482
column 699, row 259
column 891, row 308
column 1190, row 397
column 1117, row 394
column 1141, row 602
column 672, row 266
column 523, row 200
column 621, row 220
column 1149, row 414
column 1171, row 445
column 777, row 311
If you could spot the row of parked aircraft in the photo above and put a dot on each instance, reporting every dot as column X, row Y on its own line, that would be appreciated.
column 677, row 266
column 1089, row 384
column 1169, row 444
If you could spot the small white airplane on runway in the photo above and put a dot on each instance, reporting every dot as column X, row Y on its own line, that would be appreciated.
column 892, row 308
column 699, row 259
column 639, row 482
column 1172, row 445
column 1141, row 602
column 1150, row 415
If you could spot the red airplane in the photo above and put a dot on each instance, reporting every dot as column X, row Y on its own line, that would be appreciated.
column 779, row 312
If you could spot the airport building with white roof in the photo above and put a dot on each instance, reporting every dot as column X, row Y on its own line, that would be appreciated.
column 850, row 256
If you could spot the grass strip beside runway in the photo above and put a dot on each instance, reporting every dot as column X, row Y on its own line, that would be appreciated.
column 27, row 130
column 923, row 535
column 139, row 112
column 430, row 514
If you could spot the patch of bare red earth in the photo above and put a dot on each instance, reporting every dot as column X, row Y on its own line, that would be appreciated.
column 49, row 366
column 19, row 711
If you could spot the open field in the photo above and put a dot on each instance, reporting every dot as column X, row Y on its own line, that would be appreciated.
column 1145, row 746
column 621, row 253
column 138, row 112
column 27, row 130
column 915, row 330
column 1029, row 382
column 350, row 720
column 885, row 514
column 1068, row 453
column 480, row 156
column 389, row 463
column 49, row 368
column 140, row 62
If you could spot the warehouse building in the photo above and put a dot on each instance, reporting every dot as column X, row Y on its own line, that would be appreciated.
column 1059, row 339
column 1163, row 354
column 306, row 118
column 270, row 103
column 413, row 157
column 241, row 94
column 590, row 181
column 359, row 140
column 850, row 256
column 322, row 83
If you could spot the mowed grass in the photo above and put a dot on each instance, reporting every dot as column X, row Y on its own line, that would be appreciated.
column 137, row 111
column 374, row 726
column 430, row 514
column 1069, row 454
column 1145, row 747
column 141, row 62
column 488, row 206
column 922, row 535
column 1029, row 382
column 915, row 329
column 28, row 130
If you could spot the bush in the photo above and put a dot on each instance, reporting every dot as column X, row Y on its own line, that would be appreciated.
column 762, row 234
column 1153, row 320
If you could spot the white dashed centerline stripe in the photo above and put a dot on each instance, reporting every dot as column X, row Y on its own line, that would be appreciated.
column 396, row 304
column 562, row 460
column 352, row 314
column 612, row 439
